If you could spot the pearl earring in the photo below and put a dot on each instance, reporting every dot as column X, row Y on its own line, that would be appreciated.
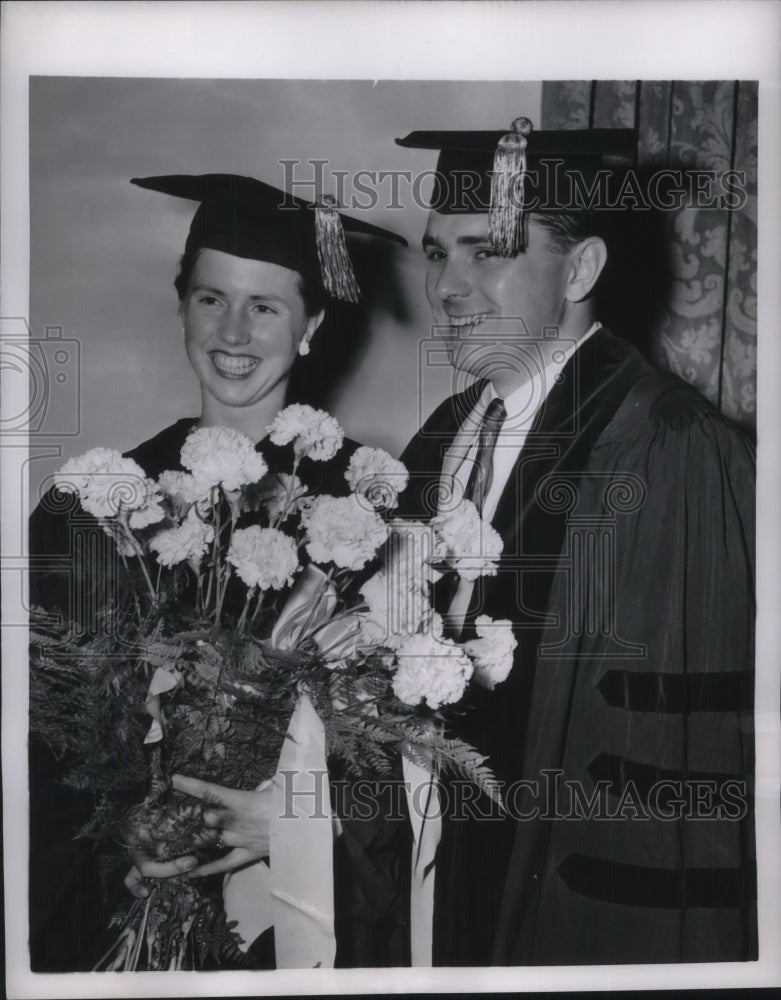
column 303, row 348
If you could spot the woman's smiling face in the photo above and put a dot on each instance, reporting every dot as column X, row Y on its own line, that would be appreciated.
column 243, row 321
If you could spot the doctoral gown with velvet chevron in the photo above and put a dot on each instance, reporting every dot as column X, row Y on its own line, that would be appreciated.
column 627, row 571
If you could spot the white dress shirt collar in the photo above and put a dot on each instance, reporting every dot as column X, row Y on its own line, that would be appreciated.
column 521, row 405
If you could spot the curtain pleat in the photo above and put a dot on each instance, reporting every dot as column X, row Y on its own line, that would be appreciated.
column 702, row 253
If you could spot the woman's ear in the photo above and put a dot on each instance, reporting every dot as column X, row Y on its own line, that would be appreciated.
column 587, row 261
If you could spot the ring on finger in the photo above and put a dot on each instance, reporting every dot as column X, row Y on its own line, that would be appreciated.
column 220, row 841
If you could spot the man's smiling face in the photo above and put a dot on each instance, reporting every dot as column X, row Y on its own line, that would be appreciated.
column 491, row 306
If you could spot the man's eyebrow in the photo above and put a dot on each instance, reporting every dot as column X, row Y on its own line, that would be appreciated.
column 479, row 240
column 473, row 240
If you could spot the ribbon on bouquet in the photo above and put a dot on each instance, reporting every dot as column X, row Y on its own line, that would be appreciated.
column 424, row 808
column 163, row 680
column 421, row 787
column 295, row 892
column 311, row 604
column 300, row 882
column 309, row 612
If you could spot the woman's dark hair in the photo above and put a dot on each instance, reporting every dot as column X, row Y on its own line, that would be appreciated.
column 314, row 297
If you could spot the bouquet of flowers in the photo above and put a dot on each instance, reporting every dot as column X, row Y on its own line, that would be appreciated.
column 243, row 592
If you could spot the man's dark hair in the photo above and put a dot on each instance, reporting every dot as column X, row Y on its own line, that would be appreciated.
column 566, row 229
column 635, row 282
column 314, row 297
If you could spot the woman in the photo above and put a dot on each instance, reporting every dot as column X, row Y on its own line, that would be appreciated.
column 258, row 269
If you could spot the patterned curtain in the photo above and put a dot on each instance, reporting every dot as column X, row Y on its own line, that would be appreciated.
column 704, row 327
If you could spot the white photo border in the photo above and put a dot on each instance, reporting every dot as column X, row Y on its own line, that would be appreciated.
column 448, row 40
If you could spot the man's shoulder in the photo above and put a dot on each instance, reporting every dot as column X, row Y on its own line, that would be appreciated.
column 452, row 411
column 428, row 445
column 661, row 401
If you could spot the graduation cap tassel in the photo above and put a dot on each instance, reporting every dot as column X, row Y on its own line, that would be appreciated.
column 335, row 265
column 507, row 189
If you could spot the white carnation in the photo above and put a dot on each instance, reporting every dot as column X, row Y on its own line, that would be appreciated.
column 184, row 487
column 436, row 625
column 189, row 541
column 222, row 456
column 396, row 610
column 263, row 557
column 341, row 530
column 398, row 596
column 314, row 433
column 492, row 652
column 378, row 476
column 152, row 511
column 466, row 542
column 108, row 484
column 409, row 552
column 432, row 670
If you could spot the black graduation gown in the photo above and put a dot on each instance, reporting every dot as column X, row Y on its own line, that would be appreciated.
column 70, row 906
column 627, row 571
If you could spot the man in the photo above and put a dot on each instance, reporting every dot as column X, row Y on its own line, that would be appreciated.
column 622, row 734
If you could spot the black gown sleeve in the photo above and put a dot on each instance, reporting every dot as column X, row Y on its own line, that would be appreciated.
column 656, row 704
column 73, row 575
column 70, row 904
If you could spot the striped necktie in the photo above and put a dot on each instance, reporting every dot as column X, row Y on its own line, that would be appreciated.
column 477, row 487
column 482, row 473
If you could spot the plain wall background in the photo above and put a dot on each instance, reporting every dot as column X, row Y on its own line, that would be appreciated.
column 103, row 253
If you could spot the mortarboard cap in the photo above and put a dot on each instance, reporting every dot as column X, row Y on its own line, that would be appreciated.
column 247, row 218
column 508, row 172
